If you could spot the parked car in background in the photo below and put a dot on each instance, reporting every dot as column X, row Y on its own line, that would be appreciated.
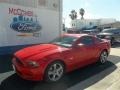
column 91, row 31
column 112, row 34
column 73, row 31
column 50, row 61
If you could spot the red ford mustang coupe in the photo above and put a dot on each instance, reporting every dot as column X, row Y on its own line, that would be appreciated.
column 50, row 61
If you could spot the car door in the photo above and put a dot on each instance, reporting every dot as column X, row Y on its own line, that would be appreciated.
column 86, row 51
column 73, row 55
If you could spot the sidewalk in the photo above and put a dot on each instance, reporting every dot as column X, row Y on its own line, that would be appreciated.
column 110, row 82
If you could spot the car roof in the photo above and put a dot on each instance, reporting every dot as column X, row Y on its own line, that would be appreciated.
column 90, row 30
column 110, row 29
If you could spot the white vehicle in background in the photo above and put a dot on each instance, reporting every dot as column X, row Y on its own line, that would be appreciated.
column 28, row 22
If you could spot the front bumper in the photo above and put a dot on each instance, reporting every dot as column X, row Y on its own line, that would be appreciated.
column 34, row 74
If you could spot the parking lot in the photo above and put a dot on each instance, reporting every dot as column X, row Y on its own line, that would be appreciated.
column 89, row 78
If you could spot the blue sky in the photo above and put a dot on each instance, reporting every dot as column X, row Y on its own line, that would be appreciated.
column 93, row 8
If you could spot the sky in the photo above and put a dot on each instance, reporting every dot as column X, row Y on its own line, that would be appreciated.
column 94, row 9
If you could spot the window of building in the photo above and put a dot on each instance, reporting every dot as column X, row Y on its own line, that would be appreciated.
column 53, row 4
column 26, row 3
column 49, row 4
column 72, row 24
column 42, row 2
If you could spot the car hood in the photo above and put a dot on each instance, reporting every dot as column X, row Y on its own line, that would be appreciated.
column 104, row 34
column 42, row 50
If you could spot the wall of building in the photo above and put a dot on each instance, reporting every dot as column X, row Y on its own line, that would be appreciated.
column 89, row 23
column 111, row 25
column 50, row 4
column 48, row 14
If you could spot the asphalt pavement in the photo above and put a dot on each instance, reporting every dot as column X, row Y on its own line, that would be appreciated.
column 81, row 79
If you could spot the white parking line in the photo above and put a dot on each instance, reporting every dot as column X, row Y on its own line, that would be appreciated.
column 5, row 75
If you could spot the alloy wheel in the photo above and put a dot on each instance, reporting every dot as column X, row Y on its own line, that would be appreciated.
column 55, row 72
column 103, row 57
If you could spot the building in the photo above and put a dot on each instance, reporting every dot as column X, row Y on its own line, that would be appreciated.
column 110, row 25
column 79, row 24
column 28, row 22
column 52, row 4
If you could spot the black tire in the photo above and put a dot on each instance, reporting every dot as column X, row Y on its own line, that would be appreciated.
column 57, row 74
column 112, row 41
column 103, row 57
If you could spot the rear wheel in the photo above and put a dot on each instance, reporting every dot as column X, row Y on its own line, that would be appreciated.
column 103, row 57
column 54, row 72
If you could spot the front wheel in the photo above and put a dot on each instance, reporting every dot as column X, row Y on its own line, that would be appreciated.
column 54, row 72
column 103, row 57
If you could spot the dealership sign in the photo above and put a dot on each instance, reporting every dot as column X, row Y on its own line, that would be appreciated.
column 24, row 21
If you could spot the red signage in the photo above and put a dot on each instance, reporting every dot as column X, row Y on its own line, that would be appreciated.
column 20, row 12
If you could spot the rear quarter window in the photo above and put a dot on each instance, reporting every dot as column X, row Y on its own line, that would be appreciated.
column 87, row 40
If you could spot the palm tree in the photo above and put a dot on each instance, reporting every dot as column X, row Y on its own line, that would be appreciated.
column 73, row 15
column 82, row 12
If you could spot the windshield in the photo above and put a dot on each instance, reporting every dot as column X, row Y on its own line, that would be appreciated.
column 65, row 41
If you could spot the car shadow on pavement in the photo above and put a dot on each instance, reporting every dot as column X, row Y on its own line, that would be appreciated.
column 14, row 82
column 5, row 63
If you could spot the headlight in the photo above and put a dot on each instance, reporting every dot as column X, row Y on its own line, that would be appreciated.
column 33, row 64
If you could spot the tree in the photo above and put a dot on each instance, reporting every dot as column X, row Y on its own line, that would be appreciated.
column 73, row 15
column 82, row 12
